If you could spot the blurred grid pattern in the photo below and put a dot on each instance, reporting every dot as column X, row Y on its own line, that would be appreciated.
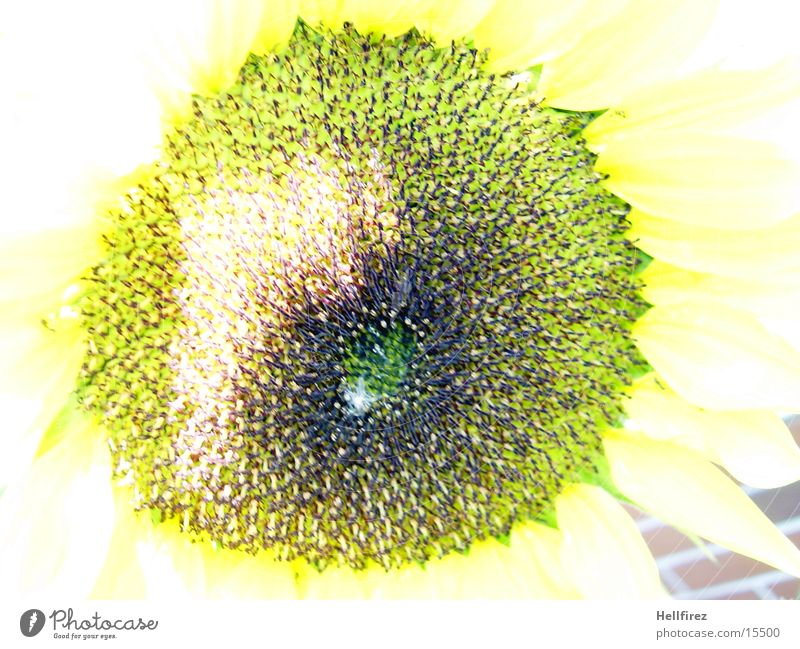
column 713, row 572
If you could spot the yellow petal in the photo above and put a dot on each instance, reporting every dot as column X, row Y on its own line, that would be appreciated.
column 230, row 30
column 603, row 552
column 31, row 354
column 38, row 371
column 522, row 33
column 720, row 358
column 57, row 523
column 725, row 252
column 529, row 567
column 25, row 421
column 345, row 583
column 754, row 446
column 38, row 363
column 198, row 47
column 683, row 489
column 443, row 20
column 233, row 574
column 774, row 295
column 330, row 12
column 450, row 20
column 365, row 15
column 703, row 179
column 171, row 563
column 649, row 407
column 157, row 560
column 645, row 41
column 277, row 24
column 35, row 269
column 27, row 416
column 711, row 101
column 151, row 560
column 757, row 449
column 121, row 576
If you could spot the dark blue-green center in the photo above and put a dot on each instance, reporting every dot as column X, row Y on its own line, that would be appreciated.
column 376, row 366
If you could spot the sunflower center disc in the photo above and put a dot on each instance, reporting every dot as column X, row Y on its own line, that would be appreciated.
column 371, row 304
column 377, row 366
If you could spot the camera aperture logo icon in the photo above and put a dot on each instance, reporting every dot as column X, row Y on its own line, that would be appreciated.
column 31, row 622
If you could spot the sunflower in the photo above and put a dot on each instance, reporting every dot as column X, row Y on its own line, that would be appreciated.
column 343, row 299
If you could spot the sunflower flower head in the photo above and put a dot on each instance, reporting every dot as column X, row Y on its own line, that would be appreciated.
column 394, row 308
column 339, row 259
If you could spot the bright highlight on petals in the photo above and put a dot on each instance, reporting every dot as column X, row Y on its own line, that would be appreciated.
column 720, row 358
column 630, row 49
column 703, row 179
column 722, row 251
column 61, row 514
column 755, row 446
column 777, row 294
column 683, row 489
column 522, row 33
column 603, row 553
column 709, row 101
column 529, row 565
column 198, row 47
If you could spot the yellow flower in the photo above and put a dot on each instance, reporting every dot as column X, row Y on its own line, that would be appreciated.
column 173, row 280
